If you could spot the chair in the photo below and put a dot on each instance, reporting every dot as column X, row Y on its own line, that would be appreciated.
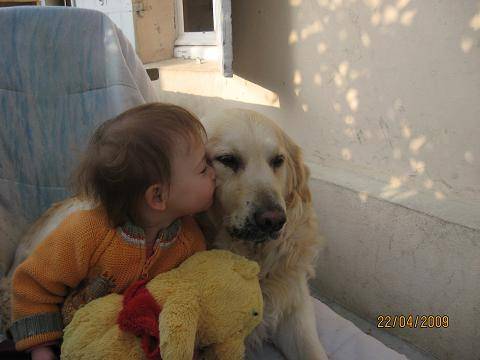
column 63, row 71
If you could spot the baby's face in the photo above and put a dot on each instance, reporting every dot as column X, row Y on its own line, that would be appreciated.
column 193, row 182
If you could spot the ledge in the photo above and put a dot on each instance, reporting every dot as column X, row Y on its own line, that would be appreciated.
column 203, row 80
column 177, row 64
column 452, row 209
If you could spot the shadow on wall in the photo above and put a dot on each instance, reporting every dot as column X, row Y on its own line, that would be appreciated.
column 326, row 61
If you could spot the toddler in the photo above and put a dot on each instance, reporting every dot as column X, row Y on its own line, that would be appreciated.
column 148, row 173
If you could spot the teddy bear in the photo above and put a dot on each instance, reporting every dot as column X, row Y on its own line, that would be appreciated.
column 212, row 301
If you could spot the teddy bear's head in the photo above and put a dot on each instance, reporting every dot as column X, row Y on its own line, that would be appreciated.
column 230, row 296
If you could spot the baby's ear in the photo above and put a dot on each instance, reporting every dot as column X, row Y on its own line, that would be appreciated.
column 246, row 268
column 155, row 197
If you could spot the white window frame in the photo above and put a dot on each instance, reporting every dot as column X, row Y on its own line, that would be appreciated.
column 195, row 45
column 202, row 38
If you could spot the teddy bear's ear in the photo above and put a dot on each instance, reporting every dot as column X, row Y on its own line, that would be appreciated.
column 247, row 268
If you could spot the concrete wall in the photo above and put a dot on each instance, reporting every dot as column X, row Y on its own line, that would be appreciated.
column 384, row 98
column 385, row 259
column 387, row 87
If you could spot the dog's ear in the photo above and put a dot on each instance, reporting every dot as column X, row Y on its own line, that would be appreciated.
column 298, row 173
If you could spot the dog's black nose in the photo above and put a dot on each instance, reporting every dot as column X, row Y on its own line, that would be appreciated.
column 270, row 221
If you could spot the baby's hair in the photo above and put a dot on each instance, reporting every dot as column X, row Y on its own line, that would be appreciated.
column 132, row 151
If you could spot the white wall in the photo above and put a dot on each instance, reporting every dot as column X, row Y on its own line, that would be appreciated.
column 119, row 11
column 388, row 89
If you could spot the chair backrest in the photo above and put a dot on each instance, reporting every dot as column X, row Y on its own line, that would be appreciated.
column 63, row 71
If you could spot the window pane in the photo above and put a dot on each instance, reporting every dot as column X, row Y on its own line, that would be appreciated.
column 197, row 15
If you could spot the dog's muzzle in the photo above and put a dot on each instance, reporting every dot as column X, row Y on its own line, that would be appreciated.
column 262, row 225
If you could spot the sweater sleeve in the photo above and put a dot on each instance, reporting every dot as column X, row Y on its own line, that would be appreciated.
column 42, row 281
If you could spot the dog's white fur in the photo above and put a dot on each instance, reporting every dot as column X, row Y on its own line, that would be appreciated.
column 287, row 261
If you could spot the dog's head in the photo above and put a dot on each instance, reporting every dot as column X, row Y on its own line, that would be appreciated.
column 260, row 174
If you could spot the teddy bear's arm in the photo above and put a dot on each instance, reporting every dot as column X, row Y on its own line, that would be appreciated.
column 178, row 325
column 231, row 349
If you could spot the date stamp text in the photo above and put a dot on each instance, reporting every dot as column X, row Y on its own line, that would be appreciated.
column 412, row 321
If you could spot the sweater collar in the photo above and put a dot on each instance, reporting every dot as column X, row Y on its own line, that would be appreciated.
column 135, row 235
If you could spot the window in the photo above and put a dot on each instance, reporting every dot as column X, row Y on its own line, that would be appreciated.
column 203, row 30
column 195, row 22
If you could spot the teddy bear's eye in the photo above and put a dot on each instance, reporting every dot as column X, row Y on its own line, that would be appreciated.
column 254, row 313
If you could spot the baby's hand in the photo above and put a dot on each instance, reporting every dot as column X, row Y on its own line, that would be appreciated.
column 43, row 353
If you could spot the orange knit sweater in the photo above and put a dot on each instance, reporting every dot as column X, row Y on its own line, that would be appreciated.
column 81, row 248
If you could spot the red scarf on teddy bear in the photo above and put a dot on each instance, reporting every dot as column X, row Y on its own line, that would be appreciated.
column 139, row 316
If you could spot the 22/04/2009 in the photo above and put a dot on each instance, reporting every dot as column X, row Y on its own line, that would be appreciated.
column 412, row 321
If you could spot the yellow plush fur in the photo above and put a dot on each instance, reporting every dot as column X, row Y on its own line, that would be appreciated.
column 212, row 300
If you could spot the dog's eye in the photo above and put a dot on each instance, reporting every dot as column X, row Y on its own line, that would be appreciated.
column 229, row 161
column 277, row 161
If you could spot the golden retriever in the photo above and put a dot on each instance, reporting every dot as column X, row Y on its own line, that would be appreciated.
column 262, row 210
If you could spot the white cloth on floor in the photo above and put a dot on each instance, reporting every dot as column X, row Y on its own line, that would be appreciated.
column 341, row 339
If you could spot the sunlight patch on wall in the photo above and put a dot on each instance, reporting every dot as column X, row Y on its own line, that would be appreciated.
column 311, row 29
column 467, row 42
column 406, row 131
column 407, row 17
column 349, row 120
column 349, row 132
column 331, row 5
column 469, row 157
column 352, row 99
column 439, row 195
column 343, row 68
column 366, row 40
column 402, row 3
column 428, row 184
column 338, row 80
column 392, row 188
column 297, row 77
column 293, row 37
column 466, row 45
column 475, row 22
column 395, row 183
column 346, row 154
column 363, row 196
column 321, row 47
column 405, row 195
column 417, row 166
column 373, row 4
column 417, row 143
column 391, row 14
column 376, row 18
